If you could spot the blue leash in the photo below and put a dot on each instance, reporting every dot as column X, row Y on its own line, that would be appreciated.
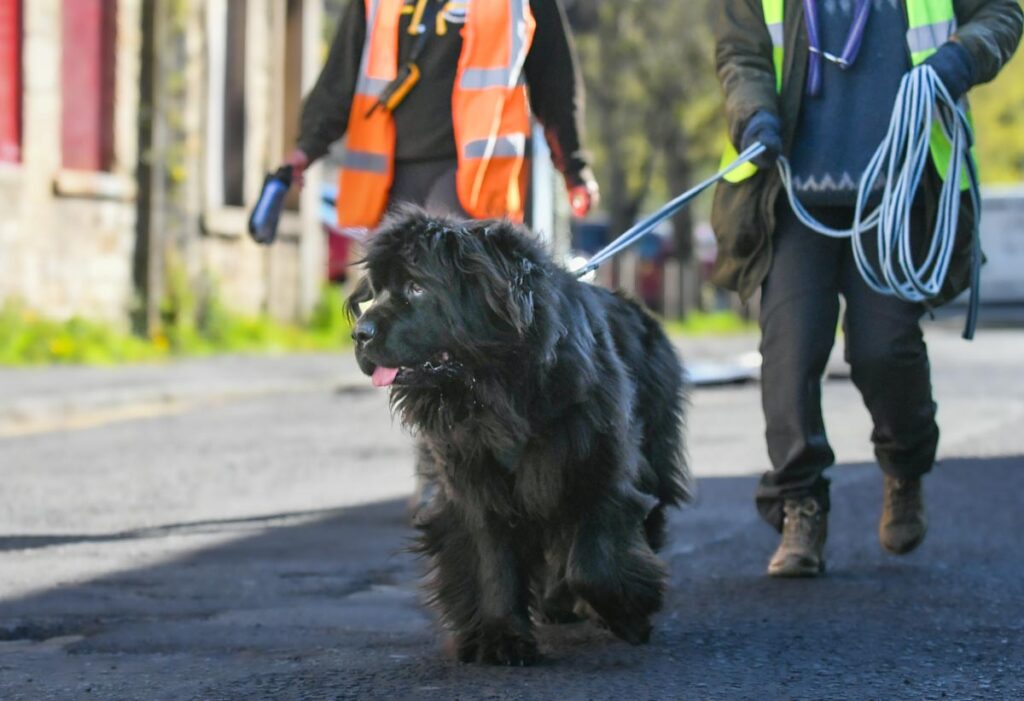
column 649, row 224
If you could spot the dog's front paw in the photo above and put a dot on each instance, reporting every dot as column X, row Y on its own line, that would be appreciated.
column 560, row 606
column 557, row 613
column 498, row 645
column 634, row 630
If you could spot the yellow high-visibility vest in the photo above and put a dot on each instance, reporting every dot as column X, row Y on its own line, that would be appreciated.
column 931, row 23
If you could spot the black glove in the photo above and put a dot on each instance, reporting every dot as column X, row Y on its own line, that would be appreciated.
column 953, row 63
column 763, row 127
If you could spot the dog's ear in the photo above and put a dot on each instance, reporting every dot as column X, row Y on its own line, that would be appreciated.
column 521, row 290
column 362, row 293
column 507, row 275
column 512, row 298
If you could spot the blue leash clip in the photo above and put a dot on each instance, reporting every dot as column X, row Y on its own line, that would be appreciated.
column 267, row 212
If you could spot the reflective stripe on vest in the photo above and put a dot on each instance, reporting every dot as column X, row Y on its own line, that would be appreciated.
column 513, row 146
column 774, row 12
column 365, row 161
column 490, row 114
column 773, row 15
column 931, row 23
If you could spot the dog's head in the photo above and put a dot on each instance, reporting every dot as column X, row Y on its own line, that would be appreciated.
column 442, row 299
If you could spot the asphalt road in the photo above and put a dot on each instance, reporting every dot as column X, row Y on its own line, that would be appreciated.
column 253, row 548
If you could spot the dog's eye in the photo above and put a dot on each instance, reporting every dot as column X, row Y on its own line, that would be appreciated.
column 413, row 290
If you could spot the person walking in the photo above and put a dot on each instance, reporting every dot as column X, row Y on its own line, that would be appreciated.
column 435, row 98
column 816, row 81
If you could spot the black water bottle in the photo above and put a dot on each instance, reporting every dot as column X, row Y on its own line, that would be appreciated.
column 267, row 212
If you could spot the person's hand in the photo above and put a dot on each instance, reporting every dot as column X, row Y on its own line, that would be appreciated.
column 299, row 161
column 763, row 127
column 955, row 68
column 583, row 196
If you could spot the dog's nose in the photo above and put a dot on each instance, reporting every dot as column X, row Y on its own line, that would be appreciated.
column 364, row 331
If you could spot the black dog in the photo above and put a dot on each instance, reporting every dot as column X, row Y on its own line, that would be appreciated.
column 550, row 413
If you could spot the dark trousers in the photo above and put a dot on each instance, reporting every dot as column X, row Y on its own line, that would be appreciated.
column 884, row 346
column 430, row 184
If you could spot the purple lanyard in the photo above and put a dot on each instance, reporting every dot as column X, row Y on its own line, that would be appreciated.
column 853, row 40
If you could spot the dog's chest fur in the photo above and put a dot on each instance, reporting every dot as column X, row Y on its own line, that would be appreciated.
column 509, row 481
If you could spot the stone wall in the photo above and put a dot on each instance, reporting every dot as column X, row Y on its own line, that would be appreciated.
column 284, row 279
column 67, row 239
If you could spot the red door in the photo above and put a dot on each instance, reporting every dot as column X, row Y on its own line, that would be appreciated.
column 87, row 84
column 10, row 81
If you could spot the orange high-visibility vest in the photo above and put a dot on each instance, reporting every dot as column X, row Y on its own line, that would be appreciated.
column 490, row 114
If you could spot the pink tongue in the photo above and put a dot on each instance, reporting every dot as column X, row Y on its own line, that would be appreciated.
column 382, row 377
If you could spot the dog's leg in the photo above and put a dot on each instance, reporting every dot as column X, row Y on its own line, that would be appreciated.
column 480, row 589
column 613, row 569
column 556, row 601
column 426, row 483
column 505, row 635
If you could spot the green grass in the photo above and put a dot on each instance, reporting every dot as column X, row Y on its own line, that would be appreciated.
column 190, row 329
column 710, row 324
column 28, row 339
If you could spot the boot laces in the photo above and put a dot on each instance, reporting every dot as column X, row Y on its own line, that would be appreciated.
column 801, row 518
column 901, row 498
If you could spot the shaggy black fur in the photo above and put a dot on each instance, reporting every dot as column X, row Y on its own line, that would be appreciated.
column 550, row 413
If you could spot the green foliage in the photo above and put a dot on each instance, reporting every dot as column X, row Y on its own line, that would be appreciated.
column 333, row 10
column 654, row 106
column 998, row 110
column 191, row 328
column 725, row 323
column 329, row 316
column 27, row 339
column 179, row 311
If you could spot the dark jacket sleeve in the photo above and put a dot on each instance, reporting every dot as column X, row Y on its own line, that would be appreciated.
column 556, row 89
column 743, row 57
column 326, row 108
column 990, row 30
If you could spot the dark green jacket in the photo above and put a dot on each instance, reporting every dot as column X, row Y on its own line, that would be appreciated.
column 743, row 216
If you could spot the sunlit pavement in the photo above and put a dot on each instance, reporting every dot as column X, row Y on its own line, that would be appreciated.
column 244, row 538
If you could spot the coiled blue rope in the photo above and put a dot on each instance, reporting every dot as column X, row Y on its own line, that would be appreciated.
column 900, row 161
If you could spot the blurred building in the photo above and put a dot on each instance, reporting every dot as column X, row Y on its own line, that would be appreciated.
column 134, row 135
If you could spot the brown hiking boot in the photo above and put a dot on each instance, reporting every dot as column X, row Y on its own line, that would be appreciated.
column 903, row 525
column 804, row 529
